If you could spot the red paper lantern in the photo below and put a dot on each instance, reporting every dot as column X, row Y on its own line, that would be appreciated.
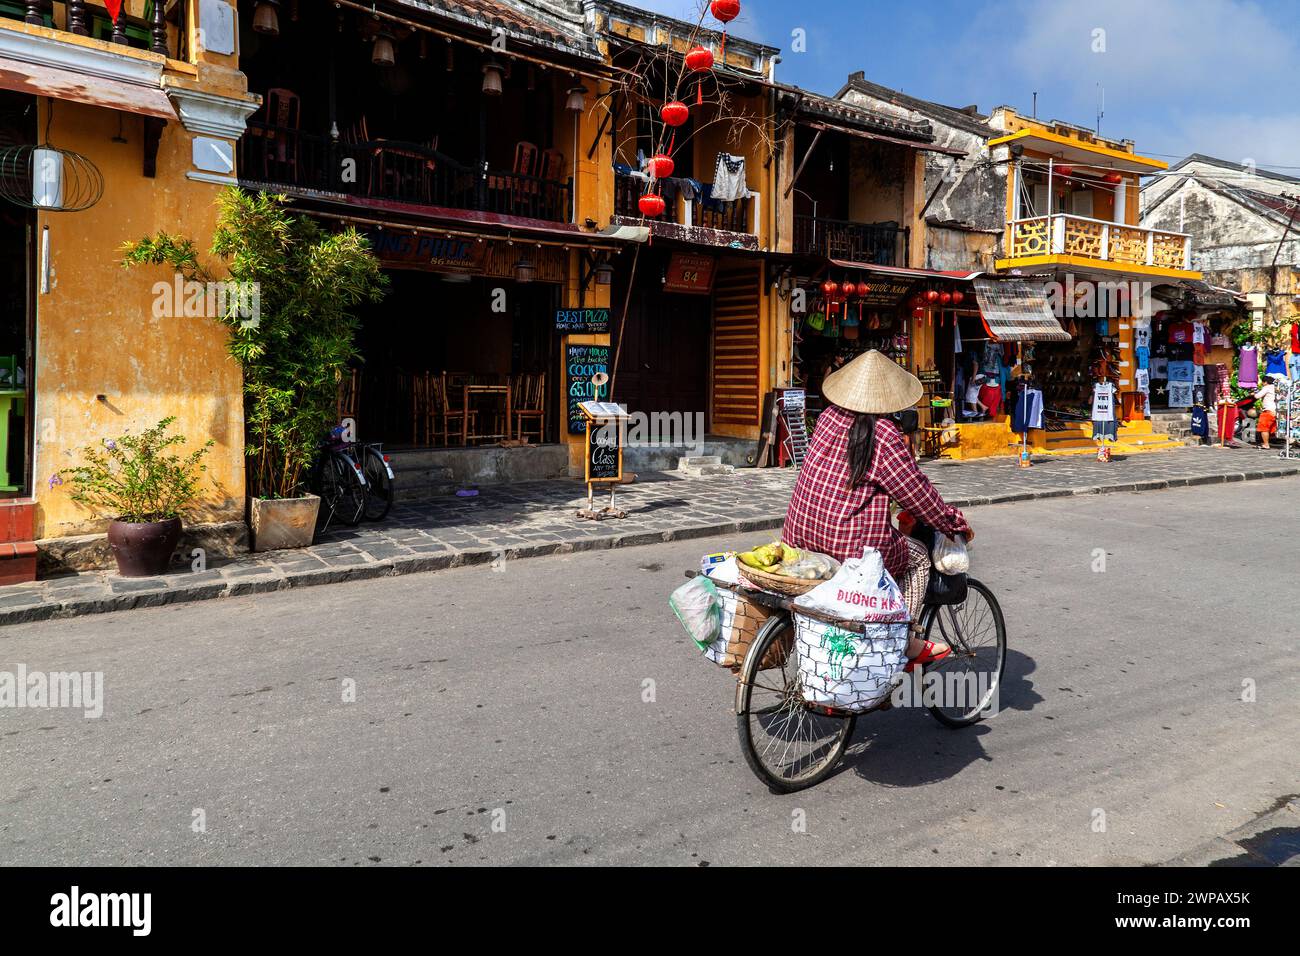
column 916, row 301
column 675, row 113
column 725, row 10
column 957, row 298
column 829, row 289
column 848, row 288
column 699, row 59
column 918, row 313
column 931, row 296
column 660, row 166
column 1065, row 170
column 945, row 298
column 651, row 205
column 1113, row 178
column 863, row 290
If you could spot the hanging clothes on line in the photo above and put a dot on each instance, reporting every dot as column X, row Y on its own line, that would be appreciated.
column 729, row 178
column 1028, row 411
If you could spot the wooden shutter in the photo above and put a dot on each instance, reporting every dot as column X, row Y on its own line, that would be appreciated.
column 736, row 302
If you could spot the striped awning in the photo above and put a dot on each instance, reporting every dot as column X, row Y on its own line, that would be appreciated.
column 1015, row 310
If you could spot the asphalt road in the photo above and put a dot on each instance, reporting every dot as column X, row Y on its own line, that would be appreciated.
column 502, row 716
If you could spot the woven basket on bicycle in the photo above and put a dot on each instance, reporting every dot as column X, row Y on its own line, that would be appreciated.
column 780, row 583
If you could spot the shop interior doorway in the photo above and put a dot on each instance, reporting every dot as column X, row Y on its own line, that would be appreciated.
column 663, row 363
column 17, row 327
column 433, row 335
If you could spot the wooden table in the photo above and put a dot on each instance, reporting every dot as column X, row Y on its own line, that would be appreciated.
column 484, row 390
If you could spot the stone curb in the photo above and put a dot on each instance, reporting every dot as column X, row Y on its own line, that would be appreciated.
column 276, row 580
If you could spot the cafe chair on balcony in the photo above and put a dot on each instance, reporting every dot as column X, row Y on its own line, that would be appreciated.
column 349, row 396
column 529, row 405
column 513, row 187
column 284, row 116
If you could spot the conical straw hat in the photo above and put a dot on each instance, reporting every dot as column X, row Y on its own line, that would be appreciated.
column 872, row 383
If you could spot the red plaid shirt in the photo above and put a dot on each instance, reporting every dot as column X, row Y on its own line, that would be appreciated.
column 826, row 515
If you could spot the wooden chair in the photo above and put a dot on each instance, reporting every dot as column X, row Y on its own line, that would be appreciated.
column 529, row 404
column 451, row 417
column 349, row 396
column 284, row 113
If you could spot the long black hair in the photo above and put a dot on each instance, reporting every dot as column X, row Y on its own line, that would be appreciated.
column 862, row 443
column 862, row 440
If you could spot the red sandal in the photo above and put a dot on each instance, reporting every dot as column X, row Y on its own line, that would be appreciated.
column 927, row 656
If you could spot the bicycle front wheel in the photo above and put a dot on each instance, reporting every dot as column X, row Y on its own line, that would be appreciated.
column 966, row 682
column 787, row 744
column 379, row 485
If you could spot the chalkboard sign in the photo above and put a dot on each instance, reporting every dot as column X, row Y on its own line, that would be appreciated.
column 582, row 321
column 605, row 450
column 581, row 362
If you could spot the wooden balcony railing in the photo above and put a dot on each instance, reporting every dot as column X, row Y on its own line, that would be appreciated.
column 727, row 215
column 92, row 20
column 881, row 244
column 393, row 171
column 1062, row 234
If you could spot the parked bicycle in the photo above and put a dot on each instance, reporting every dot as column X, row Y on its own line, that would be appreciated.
column 354, row 481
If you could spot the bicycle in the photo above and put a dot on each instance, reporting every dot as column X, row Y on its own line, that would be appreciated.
column 791, row 745
column 340, row 482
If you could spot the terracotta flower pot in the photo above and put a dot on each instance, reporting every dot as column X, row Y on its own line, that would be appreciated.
column 282, row 522
column 144, row 548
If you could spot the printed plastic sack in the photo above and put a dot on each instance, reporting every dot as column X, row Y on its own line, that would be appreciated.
column 740, row 619
column 861, row 590
column 698, row 606
column 950, row 555
column 847, row 670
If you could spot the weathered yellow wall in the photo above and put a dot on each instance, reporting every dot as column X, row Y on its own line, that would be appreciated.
column 96, row 334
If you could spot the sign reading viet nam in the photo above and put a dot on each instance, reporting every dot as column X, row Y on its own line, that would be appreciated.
column 582, row 321
column 689, row 273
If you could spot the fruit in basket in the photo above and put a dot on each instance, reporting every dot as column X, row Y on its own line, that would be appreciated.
column 759, row 560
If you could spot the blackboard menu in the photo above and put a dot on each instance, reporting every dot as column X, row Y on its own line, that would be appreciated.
column 582, row 321
column 603, row 459
column 581, row 362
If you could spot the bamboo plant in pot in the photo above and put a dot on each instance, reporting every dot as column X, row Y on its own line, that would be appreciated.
column 141, row 483
column 292, row 329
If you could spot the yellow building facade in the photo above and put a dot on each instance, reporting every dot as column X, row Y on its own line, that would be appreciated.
column 155, row 114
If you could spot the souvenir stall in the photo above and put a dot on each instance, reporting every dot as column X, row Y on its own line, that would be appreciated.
column 905, row 314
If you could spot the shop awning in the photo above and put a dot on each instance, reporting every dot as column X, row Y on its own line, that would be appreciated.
column 902, row 271
column 882, row 138
column 61, row 83
column 1017, row 311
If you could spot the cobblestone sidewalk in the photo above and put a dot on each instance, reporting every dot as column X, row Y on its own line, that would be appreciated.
column 530, row 519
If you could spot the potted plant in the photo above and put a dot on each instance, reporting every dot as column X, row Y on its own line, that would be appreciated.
column 291, row 325
column 141, row 483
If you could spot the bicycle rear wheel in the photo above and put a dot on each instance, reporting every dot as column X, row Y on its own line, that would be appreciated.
column 343, row 498
column 379, row 485
column 788, row 745
column 967, row 679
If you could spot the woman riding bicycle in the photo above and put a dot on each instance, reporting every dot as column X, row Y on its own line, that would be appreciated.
column 857, row 460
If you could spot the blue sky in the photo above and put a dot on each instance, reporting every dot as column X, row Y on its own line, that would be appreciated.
column 1220, row 77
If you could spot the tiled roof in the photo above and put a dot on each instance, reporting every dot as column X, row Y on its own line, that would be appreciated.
column 837, row 111
column 516, row 18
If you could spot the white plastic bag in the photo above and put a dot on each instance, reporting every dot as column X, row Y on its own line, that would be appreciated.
column 861, row 590
column 846, row 670
column 698, row 607
column 950, row 555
